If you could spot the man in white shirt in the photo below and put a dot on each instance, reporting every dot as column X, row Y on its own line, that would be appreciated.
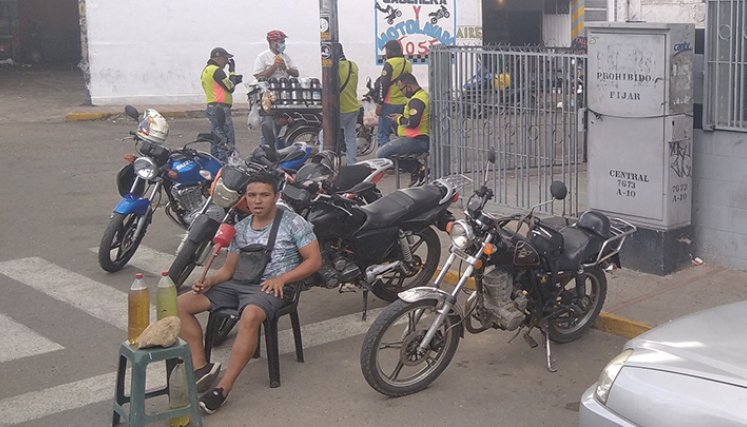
column 274, row 63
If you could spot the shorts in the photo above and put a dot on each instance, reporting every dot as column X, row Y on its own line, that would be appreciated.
column 236, row 294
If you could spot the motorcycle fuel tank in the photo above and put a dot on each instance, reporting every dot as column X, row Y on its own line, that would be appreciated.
column 331, row 222
column 188, row 169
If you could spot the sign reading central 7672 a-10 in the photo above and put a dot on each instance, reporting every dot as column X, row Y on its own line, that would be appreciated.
column 417, row 24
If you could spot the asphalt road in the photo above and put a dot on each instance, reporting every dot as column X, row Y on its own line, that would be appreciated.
column 64, row 313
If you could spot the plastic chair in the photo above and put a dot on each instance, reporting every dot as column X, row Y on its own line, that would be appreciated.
column 225, row 316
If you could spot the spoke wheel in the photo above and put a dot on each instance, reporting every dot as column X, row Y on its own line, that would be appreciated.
column 426, row 253
column 366, row 140
column 576, row 313
column 391, row 360
column 119, row 242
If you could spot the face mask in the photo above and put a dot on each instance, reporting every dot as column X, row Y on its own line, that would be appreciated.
column 280, row 47
column 407, row 93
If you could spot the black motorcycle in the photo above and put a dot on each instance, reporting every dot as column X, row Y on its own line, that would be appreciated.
column 527, row 275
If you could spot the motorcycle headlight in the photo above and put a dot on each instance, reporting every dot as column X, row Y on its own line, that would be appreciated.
column 145, row 168
column 609, row 374
column 462, row 235
column 224, row 196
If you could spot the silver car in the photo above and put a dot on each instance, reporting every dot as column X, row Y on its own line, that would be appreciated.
column 689, row 372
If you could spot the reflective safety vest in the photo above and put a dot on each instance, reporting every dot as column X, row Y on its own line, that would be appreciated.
column 393, row 95
column 425, row 119
column 214, row 92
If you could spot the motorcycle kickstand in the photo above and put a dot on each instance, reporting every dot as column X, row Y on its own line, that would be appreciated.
column 550, row 360
column 365, row 304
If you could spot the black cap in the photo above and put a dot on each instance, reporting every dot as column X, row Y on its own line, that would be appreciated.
column 219, row 51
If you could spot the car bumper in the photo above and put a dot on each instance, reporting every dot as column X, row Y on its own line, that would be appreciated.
column 594, row 414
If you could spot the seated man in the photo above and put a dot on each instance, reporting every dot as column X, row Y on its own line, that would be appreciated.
column 295, row 256
column 412, row 128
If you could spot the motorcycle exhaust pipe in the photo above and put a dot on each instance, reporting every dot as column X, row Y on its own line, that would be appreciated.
column 374, row 271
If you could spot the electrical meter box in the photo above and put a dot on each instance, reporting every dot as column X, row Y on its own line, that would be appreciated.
column 640, row 122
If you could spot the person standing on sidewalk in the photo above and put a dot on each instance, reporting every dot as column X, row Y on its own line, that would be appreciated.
column 391, row 99
column 412, row 128
column 219, row 89
column 255, row 288
column 274, row 63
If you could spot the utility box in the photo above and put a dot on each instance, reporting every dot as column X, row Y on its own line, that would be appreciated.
column 640, row 125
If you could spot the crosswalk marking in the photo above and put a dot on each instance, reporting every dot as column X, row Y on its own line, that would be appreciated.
column 148, row 259
column 98, row 300
column 18, row 341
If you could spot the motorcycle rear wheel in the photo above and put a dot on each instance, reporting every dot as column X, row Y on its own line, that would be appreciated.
column 307, row 134
column 389, row 358
column 581, row 313
column 119, row 236
column 425, row 266
column 185, row 261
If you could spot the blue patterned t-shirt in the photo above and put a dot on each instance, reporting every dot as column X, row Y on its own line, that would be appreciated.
column 294, row 233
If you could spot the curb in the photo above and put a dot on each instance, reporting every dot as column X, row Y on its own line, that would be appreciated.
column 606, row 322
column 84, row 116
column 80, row 116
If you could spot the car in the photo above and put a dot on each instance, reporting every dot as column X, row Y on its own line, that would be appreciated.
column 688, row 372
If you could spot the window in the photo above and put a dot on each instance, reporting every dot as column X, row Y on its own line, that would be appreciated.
column 725, row 101
column 595, row 10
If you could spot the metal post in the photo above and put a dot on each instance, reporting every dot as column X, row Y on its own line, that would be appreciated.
column 330, row 48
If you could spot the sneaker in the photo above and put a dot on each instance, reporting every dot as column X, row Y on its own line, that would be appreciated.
column 212, row 400
column 205, row 376
column 417, row 178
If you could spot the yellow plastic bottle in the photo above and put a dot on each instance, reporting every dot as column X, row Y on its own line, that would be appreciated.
column 178, row 394
column 138, row 308
column 165, row 297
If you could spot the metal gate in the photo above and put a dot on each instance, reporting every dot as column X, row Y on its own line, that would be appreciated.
column 523, row 102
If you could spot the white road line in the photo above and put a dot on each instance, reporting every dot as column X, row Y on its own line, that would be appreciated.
column 97, row 299
column 18, row 341
column 38, row 404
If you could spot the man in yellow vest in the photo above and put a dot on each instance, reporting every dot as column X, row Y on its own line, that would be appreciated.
column 349, row 104
column 412, row 128
column 219, row 89
column 392, row 101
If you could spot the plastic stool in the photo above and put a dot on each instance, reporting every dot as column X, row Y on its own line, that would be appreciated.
column 421, row 157
column 221, row 316
column 139, row 359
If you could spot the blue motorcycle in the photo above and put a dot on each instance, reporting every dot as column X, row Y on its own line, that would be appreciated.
column 184, row 175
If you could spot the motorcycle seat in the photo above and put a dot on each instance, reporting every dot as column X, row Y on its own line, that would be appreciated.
column 579, row 246
column 350, row 176
column 400, row 205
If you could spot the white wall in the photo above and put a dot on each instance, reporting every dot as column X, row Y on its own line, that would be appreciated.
column 144, row 51
column 675, row 11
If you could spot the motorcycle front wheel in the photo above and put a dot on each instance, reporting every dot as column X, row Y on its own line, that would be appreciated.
column 307, row 134
column 390, row 359
column 185, row 261
column 119, row 242
column 426, row 253
column 575, row 312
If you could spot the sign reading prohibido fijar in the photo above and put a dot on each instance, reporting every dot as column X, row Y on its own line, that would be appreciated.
column 417, row 24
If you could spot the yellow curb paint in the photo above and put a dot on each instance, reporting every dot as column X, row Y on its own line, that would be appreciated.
column 78, row 116
column 452, row 277
column 621, row 326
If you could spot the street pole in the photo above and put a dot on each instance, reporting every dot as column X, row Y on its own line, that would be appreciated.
column 330, row 48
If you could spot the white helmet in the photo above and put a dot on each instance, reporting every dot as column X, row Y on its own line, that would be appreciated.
column 153, row 127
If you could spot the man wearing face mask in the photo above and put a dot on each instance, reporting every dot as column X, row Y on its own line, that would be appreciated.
column 412, row 128
column 274, row 63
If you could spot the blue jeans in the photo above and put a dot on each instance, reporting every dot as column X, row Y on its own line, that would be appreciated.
column 270, row 120
column 224, row 133
column 385, row 123
column 347, row 124
column 404, row 145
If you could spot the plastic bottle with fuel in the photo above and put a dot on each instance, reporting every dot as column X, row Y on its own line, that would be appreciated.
column 138, row 308
column 165, row 297
column 178, row 394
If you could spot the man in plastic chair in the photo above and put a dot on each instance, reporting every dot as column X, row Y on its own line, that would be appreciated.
column 242, row 283
column 412, row 129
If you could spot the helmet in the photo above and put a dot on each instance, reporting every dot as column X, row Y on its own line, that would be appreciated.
column 276, row 35
column 153, row 127
column 328, row 159
column 595, row 222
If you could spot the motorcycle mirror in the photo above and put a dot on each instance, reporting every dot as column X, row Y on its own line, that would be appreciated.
column 491, row 155
column 131, row 111
column 491, row 159
column 558, row 190
column 220, row 116
column 368, row 83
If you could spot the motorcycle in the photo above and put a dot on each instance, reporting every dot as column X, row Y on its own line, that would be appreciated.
column 383, row 247
column 184, row 175
column 527, row 275
column 229, row 186
column 438, row 14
